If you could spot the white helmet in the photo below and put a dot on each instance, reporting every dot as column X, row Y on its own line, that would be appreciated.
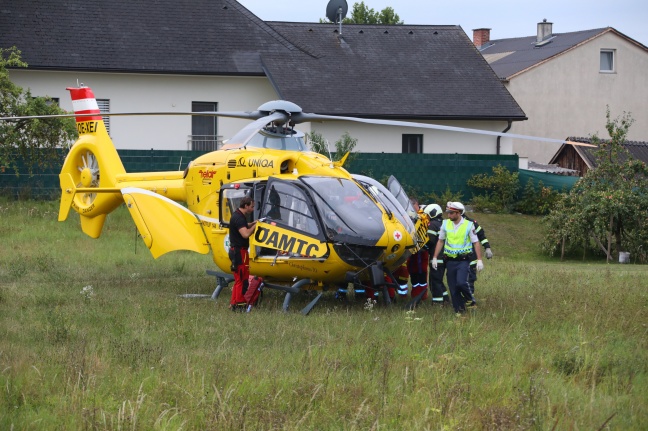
column 455, row 206
column 433, row 210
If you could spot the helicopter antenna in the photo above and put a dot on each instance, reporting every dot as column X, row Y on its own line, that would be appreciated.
column 336, row 11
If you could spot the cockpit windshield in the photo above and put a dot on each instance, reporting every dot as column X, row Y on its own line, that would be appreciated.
column 387, row 199
column 349, row 214
column 277, row 141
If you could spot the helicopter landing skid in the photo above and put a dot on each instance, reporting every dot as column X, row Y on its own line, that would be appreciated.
column 293, row 290
column 222, row 280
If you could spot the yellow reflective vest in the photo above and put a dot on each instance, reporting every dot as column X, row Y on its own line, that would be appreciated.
column 457, row 241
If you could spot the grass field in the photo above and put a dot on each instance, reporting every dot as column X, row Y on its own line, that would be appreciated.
column 95, row 335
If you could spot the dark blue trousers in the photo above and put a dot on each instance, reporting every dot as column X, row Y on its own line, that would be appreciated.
column 457, row 273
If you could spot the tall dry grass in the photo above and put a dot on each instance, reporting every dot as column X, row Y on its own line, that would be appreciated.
column 94, row 335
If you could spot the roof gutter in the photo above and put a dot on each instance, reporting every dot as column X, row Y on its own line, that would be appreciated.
column 499, row 144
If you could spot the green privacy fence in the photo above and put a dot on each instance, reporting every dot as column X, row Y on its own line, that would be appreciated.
column 425, row 173
column 556, row 182
column 44, row 184
column 431, row 173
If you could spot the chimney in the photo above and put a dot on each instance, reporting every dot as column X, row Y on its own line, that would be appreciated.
column 481, row 36
column 544, row 30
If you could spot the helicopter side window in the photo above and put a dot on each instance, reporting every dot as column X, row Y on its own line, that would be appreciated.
column 287, row 205
column 275, row 141
column 295, row 144
column 387, row 200
column 229, row 202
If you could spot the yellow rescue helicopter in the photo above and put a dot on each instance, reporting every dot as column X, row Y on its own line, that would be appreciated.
column 318, row 226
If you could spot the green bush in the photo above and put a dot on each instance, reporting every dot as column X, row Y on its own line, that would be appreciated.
column 537, row 200
column 447, row 196
column 500, row 188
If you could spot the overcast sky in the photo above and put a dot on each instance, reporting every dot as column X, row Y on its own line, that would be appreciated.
column 505, row 18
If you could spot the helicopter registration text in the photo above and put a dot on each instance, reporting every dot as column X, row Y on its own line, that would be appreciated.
column 87, row 127
column 276, row 238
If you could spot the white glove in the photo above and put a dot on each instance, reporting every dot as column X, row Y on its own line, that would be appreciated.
column 434, row 263
column 480, row 265
column 489, row 253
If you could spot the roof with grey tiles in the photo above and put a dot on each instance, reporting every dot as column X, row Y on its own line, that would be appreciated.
column 166, row 36
column 508, row 57
column 398, row 71
column 427, row 72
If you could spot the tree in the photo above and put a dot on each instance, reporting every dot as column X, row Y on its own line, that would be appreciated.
column 362, row 14
column 389, row 16
column 346, row 144
column 317, row 143
column 606, row 210
column 34, row 141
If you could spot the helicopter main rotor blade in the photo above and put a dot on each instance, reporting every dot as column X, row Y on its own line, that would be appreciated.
column 303, row 117
column 287, row 111
column 248, row 115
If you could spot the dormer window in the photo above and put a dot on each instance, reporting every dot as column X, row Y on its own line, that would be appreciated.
column 607, row 61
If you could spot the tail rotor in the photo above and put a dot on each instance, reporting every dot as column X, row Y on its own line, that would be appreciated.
column 88, row 178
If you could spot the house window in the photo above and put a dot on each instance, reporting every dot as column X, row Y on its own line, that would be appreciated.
column 412, row 144
column 607, row 60
column 203, row 129
column 104, row 106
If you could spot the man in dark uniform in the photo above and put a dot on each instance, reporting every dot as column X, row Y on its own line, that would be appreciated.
column 438, row 288
column 472, row 275
column 239, row 237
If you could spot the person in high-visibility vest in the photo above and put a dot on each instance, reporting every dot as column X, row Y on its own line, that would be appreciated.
column 458, row 240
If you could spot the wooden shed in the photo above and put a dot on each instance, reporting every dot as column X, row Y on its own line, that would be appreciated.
column 581, row 159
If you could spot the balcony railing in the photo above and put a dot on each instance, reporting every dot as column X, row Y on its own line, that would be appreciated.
column 204, row 143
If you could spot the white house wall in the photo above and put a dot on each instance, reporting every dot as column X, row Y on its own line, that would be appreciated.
column 169, row 93
column 569, row 96
column 388, row 139
column 147, row 93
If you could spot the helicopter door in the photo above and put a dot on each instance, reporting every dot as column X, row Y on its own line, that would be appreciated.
column 399, row 193
column 230, row 198
column 259, row 190
column 421, row 226
column 288, row 223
